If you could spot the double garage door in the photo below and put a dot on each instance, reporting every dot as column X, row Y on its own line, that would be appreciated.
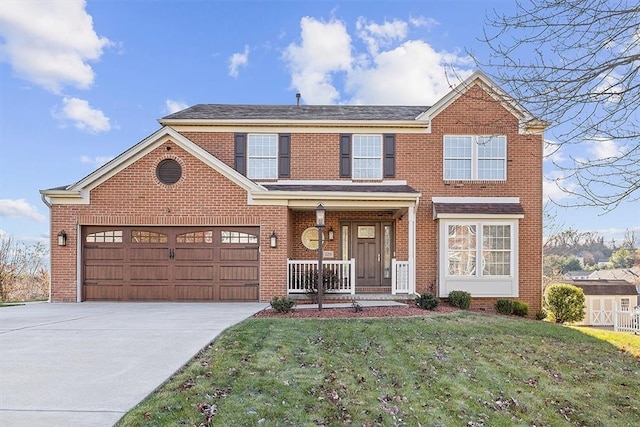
column 170, row 263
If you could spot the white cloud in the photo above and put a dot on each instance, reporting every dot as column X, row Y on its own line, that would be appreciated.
column 411, row 74
column 421, row 21
column 553, row 184
column 238, row 60
column 95, row 161
column 19, row 208
column 83, row 116
column 173, row 106
column 553, row 152
column 324, row 50
column 603, row 149
column 390, row 70
column 50, row 43
column 376, row 36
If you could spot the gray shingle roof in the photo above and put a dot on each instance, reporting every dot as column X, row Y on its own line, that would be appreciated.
column 478, row 208
column 342, row 188
column 294, row 112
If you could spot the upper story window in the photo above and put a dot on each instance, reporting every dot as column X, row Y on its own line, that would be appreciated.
column 367, row 156
column 262, row 156
column 475, row 157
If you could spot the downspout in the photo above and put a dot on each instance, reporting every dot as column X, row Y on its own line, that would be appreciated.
column 44, row 200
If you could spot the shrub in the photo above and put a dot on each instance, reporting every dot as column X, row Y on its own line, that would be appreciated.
column 520, row 308
column 541, row 315
column 282, row 304
column 504, row 306
column 460, row 299
column 427, row 301
column 565, row 302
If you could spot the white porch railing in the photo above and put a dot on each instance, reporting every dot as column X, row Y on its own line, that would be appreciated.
column 399, row 277
column 338, row 276
column 626, row 320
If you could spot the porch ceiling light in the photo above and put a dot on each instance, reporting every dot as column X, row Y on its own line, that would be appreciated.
column 273, row 240
column 62, row 238
column 320, row 210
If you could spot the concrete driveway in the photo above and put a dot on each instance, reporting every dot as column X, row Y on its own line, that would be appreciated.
column 87, row 364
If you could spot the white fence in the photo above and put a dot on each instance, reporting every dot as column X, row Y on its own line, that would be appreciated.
column 626, row 320
column 399, row 277
column 338, row 276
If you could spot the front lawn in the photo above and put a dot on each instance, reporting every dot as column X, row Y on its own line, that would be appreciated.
column 458, row 369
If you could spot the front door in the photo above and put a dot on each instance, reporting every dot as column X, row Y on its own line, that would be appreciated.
column 371, row 245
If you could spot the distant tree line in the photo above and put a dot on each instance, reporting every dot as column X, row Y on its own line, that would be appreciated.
column 572, row 250
column 23, row 272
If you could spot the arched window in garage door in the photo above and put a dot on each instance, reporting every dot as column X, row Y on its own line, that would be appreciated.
column 237, row 237
column 195, row 237
column 111, row 236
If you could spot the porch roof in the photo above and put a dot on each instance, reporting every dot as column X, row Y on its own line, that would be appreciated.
column 354, row 188
column 478, row 208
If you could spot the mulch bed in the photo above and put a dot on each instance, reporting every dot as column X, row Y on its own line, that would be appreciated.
column 367, row 312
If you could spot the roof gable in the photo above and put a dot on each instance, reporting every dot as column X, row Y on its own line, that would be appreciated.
column 528, row 122
column 82, row 188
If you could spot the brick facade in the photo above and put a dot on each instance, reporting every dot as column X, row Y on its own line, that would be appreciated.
column 204, row 196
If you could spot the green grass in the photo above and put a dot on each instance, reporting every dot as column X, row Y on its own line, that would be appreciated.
column 460, row 369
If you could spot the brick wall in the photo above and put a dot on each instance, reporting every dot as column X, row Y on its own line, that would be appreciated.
column 202, row 196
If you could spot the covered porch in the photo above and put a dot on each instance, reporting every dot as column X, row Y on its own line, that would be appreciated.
column 368, row 242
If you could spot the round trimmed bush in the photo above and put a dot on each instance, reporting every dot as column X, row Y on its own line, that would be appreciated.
column 504, row 306
column 282, row 304
column 427, row 301
column 460, row 299
column 520, row 308
column 565, row 303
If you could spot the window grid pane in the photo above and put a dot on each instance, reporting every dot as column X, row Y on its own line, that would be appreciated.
column 367, row 156
column 262, row 157
column 462, row 250
column 475, row 157
column 496, row 250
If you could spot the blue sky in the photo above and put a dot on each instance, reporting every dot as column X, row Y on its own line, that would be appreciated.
column 81, row 82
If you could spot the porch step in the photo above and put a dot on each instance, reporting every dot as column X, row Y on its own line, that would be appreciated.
column 373, row 289
column 328, row 298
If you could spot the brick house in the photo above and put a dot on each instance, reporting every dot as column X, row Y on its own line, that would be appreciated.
column 219, row 204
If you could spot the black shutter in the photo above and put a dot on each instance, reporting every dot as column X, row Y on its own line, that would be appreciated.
column 389, row 162
column 240, row 153
column 284, row 155
column 345, row 156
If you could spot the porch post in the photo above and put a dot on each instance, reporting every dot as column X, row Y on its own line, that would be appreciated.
column 412, row 249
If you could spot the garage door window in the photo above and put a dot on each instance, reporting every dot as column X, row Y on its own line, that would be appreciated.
column 140, row 236
column 113, row 236
column 195, row 237
column 238, row 237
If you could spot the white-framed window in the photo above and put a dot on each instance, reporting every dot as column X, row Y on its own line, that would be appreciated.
column 624, row 304
column 367, row 157
column 470, row 244
column 262, row 156
column 468, row 158
column 479, row 256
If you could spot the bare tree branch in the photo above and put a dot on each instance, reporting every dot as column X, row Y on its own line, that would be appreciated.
column 576, row 63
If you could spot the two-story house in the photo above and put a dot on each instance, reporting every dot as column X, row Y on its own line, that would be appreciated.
column 219, row 204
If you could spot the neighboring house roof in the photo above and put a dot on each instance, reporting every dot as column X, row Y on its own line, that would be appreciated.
column 295, row 112
column 604, row 287
column 629, row 274
column 578, row 274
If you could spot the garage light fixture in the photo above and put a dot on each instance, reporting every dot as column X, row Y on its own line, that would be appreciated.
column 331, row 234
column 62, row 238
column 273, row 240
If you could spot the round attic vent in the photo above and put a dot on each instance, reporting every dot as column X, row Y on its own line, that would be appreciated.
column 168, row 171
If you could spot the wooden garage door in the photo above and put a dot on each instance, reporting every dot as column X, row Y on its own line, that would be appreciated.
column 170, row 263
